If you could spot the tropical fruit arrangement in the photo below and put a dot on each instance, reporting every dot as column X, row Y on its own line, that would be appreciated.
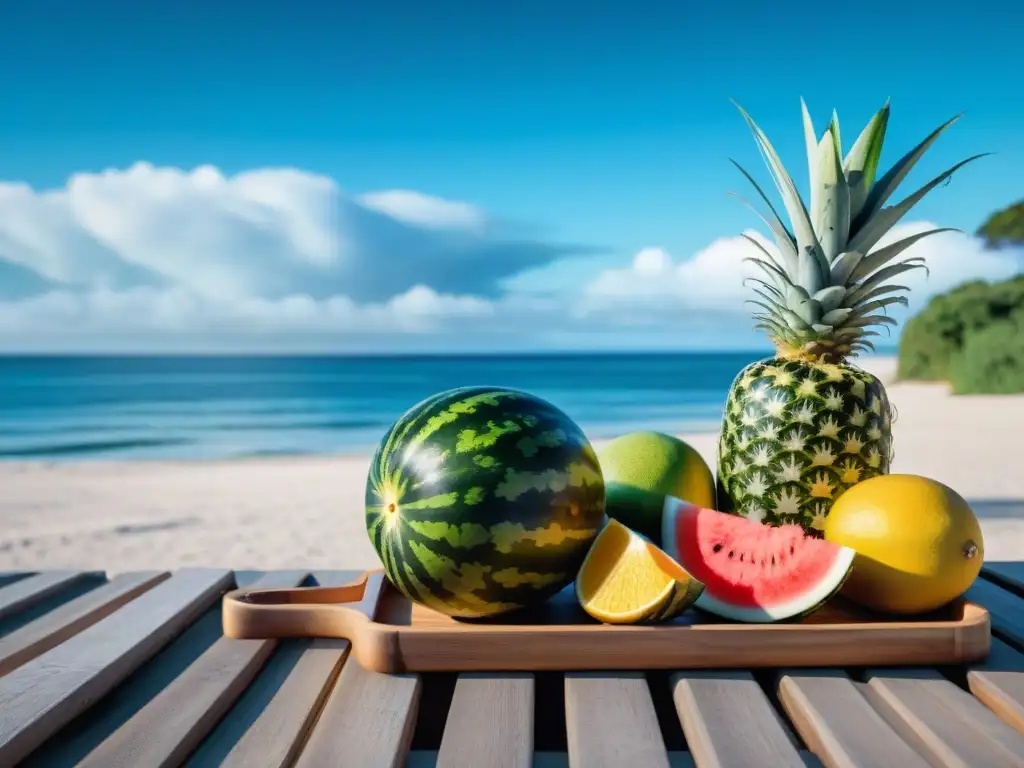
column 481, row 501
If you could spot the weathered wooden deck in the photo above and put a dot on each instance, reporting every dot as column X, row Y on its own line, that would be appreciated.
column 134, row 671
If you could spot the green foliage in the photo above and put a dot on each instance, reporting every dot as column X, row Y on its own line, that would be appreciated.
column 991, row 362
column 967, row 337
column 1005, row 227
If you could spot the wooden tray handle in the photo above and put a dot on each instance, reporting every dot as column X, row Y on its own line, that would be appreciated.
column 302, row 611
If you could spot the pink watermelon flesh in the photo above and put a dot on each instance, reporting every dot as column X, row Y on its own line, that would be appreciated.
column 752, row 571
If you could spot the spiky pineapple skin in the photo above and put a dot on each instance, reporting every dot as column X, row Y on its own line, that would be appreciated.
column 795, row 435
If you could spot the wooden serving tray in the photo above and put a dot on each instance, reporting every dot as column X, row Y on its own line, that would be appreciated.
column 390, row 634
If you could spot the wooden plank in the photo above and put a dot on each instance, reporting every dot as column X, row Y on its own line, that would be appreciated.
column 275, row 725
column 272, row 719
column 71, row 618
column 1006, row 610
column 1006, row 574
column 43, row 695
column 170, row 726
column 942, row 721
column 611, row 722
column 711, row 703
column 27, row 592
column 839, row 725
column 998, row 683
column 87, row 731
column 423, row 758
column 9, row 577
column 369, row 718
column 490, row 722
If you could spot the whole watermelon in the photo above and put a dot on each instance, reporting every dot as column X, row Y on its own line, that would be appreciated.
column 481, row 500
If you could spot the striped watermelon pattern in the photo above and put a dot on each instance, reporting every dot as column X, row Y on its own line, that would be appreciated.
column 481, row 500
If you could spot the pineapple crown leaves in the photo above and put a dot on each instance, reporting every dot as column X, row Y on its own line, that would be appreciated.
column 825, row 293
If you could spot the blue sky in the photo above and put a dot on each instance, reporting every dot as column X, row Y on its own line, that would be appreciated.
column 590, row 132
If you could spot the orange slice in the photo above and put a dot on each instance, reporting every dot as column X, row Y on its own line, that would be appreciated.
column 626, row 580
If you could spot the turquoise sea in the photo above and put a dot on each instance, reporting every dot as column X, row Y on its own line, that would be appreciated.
column 205, row 407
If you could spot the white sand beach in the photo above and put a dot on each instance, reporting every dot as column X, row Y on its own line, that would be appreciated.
column 308, row 512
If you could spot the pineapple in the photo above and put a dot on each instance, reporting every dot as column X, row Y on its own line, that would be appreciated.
column 803, row 426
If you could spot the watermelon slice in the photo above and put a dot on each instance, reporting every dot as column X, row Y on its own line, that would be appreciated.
column 752, row 572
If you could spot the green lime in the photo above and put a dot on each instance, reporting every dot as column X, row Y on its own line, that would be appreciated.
column 641, row 468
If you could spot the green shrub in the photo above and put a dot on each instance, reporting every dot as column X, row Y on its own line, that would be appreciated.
column 937, row 336
column 1005, row 227
column 991, row 361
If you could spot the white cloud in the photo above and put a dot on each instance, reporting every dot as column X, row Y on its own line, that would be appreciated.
column 424, row 210
column 269, row 232
column 162, row 256
column 176, row 310
column 952, row 258
column 712, row 280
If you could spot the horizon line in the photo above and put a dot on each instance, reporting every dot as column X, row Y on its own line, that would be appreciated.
column 885, row 352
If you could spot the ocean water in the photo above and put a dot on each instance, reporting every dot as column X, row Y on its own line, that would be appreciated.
column 74, row 408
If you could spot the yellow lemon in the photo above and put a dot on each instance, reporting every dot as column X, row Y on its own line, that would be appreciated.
column 918, row 543
column 625, row 579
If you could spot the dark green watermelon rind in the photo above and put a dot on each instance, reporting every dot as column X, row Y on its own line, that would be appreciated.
column 494, row 529
column 797, row 618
